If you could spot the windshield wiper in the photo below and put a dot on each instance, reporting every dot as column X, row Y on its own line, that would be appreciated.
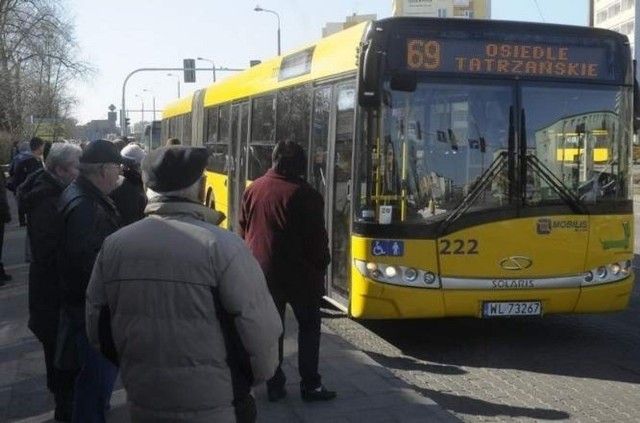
column 496, row 167
column 502, row 160
column 550, row 178
column 545, row 173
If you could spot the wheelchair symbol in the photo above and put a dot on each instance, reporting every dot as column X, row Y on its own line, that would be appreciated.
column 379, row 249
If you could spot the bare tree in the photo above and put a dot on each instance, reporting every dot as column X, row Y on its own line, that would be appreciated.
column 37, row 62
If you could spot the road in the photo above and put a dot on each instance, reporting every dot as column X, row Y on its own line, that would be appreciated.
column 582, row 368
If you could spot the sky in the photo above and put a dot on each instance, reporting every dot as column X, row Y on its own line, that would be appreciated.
column 117, row 37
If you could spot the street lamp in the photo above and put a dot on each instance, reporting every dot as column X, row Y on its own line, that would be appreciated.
column 213, row 66
column 153, row 101
column 260, row 9
column 142, row 113
column 177, row 76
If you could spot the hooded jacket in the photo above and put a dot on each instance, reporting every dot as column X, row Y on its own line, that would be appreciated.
column 164, row 281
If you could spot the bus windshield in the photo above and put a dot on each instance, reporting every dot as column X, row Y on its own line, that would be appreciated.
column 448, row 144
column 579, row 136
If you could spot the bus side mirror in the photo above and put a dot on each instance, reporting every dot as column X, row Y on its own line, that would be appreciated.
column 369, row 70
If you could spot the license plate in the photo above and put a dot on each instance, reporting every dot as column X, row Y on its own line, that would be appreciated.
column 512, row 308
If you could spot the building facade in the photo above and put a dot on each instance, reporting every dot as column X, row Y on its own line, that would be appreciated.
column 618, row 15
column 333, row 27
column 472, row 9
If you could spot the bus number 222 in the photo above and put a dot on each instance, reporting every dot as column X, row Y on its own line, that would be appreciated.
column 459, row 246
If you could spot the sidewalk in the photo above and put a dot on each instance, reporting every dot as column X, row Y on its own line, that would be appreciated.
column 367, row 392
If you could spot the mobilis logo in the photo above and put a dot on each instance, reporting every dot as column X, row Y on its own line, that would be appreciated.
column 545, row 225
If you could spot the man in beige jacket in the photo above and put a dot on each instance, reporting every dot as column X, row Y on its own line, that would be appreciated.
column 182, row 304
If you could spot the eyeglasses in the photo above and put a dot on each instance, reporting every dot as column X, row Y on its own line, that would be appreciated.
column 118, row 165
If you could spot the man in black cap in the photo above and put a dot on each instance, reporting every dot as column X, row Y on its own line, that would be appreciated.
column 89, row 216
column 192, row 320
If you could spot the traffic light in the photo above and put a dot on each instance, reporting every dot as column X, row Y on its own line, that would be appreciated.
column 127, row 122
column 189, row 66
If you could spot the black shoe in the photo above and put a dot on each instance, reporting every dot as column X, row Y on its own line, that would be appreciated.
column 318, row 394
column 275, row 394
column 62, row 414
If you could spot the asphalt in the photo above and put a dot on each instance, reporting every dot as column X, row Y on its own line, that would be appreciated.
column 367, row 392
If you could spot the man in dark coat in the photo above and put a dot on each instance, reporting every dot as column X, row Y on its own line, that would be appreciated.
column 129, row 195
column 23, row 165
column 282, row 221
column 5, row 217
column 89, row 217
column 39, row 197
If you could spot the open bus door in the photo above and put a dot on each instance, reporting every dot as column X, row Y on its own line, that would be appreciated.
column 237, row 169
column 338, row 207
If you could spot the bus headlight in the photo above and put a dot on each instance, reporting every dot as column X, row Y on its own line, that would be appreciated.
column 390, row 272
column 615, row 269
column 601, row 272
column 397, row 275
column 588, row 277
column 410, row 274
column 611, row 272
column 429, row 278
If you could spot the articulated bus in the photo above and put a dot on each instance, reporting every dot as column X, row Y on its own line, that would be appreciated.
column 151, row 137
column 469, row 168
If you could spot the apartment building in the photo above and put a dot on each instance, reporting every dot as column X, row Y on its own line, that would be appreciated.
column 618, row 15
column 478, row 9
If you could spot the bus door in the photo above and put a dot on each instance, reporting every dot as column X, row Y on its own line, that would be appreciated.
column 237, row 150
column 339, row 204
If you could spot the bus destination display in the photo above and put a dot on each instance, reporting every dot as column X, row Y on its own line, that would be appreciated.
column 465, row 56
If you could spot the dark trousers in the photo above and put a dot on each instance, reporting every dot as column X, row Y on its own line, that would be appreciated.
column 245, row 409
column 1, row 239
column 22, row 215
column 59, row 382
column 307, row 313
column 95, row 380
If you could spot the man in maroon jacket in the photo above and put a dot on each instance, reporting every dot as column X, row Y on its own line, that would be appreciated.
column 282, row 221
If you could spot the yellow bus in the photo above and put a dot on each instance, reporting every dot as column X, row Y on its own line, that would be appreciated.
column 435, row 144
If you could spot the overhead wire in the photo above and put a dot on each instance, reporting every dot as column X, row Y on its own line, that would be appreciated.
column 539, row 11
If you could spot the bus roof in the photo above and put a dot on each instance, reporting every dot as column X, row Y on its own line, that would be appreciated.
column 330, row 57
column 178, row 107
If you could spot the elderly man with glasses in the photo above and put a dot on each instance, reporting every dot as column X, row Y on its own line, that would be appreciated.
column 89, row 216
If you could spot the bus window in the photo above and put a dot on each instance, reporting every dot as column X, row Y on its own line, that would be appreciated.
column 259, row 160
column 319, row 138
column 574, row 132
column 262, row 119
column 218, row 158
column 293, row 108
column 212, row 125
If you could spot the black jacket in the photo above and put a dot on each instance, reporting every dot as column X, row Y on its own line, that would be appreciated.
column 5, row 210
column 89, row 217
column 129, row 197
column 38, row 196
column 23, row 168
